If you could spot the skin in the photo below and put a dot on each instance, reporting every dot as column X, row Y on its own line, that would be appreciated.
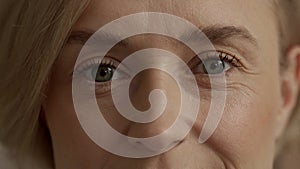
column 256, row 108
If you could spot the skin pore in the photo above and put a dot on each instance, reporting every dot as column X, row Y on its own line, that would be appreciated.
column 246, row 135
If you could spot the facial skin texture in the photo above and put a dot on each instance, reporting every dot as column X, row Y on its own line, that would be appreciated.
column 246, row 135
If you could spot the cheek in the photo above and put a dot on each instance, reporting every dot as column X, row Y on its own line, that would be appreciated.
column 246, row 131
column 72, row 147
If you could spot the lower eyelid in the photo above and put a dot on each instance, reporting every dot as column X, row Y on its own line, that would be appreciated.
column 101, row 89
column 105, row 87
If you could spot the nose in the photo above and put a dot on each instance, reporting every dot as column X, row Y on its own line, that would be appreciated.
column 140, row 88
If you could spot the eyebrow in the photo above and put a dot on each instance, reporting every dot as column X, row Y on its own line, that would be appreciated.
column 215, row 33
column 218, row 34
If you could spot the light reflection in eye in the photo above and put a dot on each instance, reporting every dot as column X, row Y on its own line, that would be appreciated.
column 213, row 63
column 212, row 66
column 102, row 72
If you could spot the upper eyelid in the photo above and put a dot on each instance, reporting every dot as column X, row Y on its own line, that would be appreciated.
column 233, row 58
column 84, row 66
column 95, row 60
column 209, row 54
column 194, row 61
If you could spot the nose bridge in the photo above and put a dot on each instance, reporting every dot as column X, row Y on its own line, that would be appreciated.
column 148, row 80
column 140, row 89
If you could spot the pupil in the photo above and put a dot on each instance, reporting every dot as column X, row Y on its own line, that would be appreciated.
column 103, row 74
column 215, row 67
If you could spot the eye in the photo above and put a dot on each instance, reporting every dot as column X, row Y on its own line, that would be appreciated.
column 100, row 71
column 213, row 63
column 212, row 66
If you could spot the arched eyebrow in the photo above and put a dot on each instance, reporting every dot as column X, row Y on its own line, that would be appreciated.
column 217, row 34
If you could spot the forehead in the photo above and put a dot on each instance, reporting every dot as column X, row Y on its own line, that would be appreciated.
column 194, row 10
column 255, row 15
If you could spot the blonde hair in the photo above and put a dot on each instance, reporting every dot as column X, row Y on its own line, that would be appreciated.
column 32, row 34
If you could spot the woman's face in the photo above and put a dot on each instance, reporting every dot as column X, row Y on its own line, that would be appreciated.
column 245, row 137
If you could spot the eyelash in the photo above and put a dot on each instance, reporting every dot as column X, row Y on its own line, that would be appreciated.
column 105, row 61
column 234, row 61
column 222, row 55
column 110, row 61
column 104, row 87
column 80, row 72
